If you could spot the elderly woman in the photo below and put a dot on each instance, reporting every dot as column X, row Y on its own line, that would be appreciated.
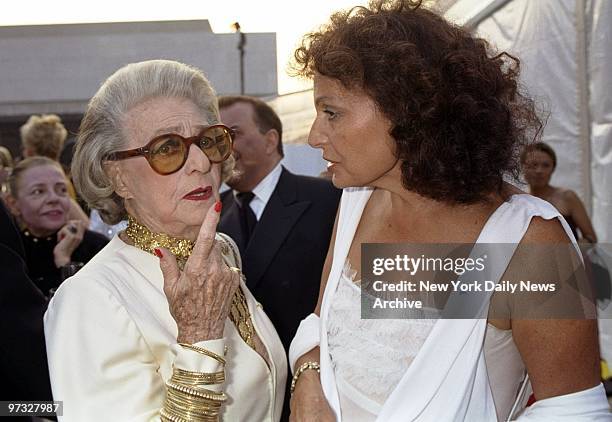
column 55, row 246
column 159, row 323
column 420, row 123
column 539, row 162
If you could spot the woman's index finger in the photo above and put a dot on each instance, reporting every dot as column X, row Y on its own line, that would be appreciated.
column 206, row 237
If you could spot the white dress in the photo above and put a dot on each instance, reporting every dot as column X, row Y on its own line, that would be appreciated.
column 111, row 344
column 443, row 375
column 369, row 357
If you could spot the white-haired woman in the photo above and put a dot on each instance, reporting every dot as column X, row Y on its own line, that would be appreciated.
column 159, row 324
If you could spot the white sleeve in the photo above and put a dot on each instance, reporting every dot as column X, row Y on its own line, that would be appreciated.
column 99, row 363
column 589, row 405
column 306, row 338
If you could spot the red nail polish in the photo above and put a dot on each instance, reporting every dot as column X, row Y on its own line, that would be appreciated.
column 158, row 253
column 218, row 206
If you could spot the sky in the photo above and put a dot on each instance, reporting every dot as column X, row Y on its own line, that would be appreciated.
column 290, row 19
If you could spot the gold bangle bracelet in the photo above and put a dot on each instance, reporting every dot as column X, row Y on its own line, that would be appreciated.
column 212, row 380
column 187, row 404
column 190, row 412
column 198, row 406
column 183, row 375
column 167, row 416
column 202, row 382
column 200, row 392
column 303, row 367
column 204, row 352
column 204, row 409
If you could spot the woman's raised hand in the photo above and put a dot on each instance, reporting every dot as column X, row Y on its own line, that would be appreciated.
column 69, row 238
column 200, row 296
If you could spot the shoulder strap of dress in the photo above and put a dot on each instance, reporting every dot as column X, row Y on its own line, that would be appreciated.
column 509, row 223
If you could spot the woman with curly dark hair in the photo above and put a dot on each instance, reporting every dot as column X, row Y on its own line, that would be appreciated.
column 420, row 123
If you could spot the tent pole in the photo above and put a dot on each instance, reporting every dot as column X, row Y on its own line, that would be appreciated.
column 583, row 102
column 486, row 12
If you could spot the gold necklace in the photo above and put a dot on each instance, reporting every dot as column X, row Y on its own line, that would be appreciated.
column 148, row 241
column 145, row 239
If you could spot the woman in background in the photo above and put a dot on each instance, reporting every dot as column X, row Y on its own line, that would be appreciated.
column 6, row 166
column 55, row 246
column 45, row 136
column 539, row 162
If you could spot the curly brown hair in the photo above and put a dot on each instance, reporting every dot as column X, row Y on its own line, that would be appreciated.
column 458, row 116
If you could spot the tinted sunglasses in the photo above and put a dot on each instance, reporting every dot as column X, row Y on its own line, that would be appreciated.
column 167, row 154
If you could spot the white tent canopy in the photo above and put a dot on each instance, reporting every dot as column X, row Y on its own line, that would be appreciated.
column 565, row 48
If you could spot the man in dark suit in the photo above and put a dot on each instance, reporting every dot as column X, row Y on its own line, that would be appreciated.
column 23, row 359
column 281, row 222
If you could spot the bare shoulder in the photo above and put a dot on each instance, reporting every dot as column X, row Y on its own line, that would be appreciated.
column 569, row 195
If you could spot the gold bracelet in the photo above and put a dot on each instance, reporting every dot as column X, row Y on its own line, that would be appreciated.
column 204, row 352
column 182, row 376
column 187, row 403
column 178, row 408
column 303, row 367
column 168, row 416
column 189, row 410
column 204, row 408
column 189, row 415
column 201, row 393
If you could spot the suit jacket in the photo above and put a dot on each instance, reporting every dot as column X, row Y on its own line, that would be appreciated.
column 285, row 256
column 23, row 360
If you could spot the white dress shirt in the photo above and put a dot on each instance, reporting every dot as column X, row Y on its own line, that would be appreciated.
column 263, row 191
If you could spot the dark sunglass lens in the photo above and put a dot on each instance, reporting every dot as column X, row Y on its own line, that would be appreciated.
column 216, row 143
column 167, row 154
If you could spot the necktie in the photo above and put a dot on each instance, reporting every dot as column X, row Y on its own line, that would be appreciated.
column 247, row 216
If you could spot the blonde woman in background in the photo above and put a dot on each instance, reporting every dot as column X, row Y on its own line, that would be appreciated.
column 55, row 246
column 45, row 135
column 6, row 165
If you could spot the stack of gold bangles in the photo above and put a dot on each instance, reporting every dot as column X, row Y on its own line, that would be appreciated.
column 188, row 399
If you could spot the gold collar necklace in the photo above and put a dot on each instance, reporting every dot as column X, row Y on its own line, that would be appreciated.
column 148, row 241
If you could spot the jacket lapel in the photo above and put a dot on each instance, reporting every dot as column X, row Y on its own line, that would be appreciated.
column 282, row 212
